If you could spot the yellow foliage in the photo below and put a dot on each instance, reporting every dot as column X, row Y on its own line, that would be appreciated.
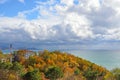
column 12, row 77
column 67, row 62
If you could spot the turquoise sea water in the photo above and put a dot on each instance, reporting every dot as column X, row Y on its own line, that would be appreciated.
column 106, row 58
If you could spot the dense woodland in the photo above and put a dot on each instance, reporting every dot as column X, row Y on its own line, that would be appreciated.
column 51, row 65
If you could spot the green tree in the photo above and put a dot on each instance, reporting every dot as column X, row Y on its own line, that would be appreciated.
column 54, row 73
column 77, row 72
column 31, row 61
column 1, row 52
column 91, row 74
column 5, row 65
column 17, row 66
column 116, row 73
column 32, row 75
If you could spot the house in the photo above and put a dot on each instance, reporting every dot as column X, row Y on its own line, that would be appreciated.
column 6, row 57
column 29, row 53
column 17, row 55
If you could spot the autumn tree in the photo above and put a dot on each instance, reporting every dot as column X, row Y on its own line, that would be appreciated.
column 51, row 65
column 9, row 75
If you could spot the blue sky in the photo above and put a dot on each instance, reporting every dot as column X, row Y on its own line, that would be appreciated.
column 83, row 24
column 11, row 7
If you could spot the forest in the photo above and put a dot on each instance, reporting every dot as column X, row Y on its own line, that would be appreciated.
column 51, row 65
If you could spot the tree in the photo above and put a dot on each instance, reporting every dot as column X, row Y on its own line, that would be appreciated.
column 8, row 75
column 17, row 66
column 54, row 73
column 31, row 61
column 77, row 72
column 116, row 73
column 91, row 74
column 32, row 75
column 5, row 65
column 1, row 52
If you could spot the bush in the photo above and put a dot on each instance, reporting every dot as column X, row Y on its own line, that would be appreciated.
column 90, row 74
column 32, row 75
column 77, row 72
column 17, row 67
column 54, row 73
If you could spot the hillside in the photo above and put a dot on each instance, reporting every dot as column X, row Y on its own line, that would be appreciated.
column 46, row 65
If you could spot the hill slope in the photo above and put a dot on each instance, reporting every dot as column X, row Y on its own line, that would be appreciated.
column 55, row 65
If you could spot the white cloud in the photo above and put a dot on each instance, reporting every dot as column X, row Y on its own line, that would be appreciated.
column 71, row 27
column 90, row 4
column 67, row 3
column 115, row 4
column 112, row 34
column 22, row 1
column 78, row 25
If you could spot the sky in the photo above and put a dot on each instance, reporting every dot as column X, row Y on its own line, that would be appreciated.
column 66, row 24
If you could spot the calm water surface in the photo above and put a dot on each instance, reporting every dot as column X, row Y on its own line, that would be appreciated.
column 108, row 59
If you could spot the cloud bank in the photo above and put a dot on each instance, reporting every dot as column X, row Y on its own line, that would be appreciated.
column 63, row 21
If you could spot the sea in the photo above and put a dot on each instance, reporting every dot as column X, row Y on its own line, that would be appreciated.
column 109, row 59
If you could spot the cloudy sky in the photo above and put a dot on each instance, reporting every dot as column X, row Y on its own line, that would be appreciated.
column 83, row 24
